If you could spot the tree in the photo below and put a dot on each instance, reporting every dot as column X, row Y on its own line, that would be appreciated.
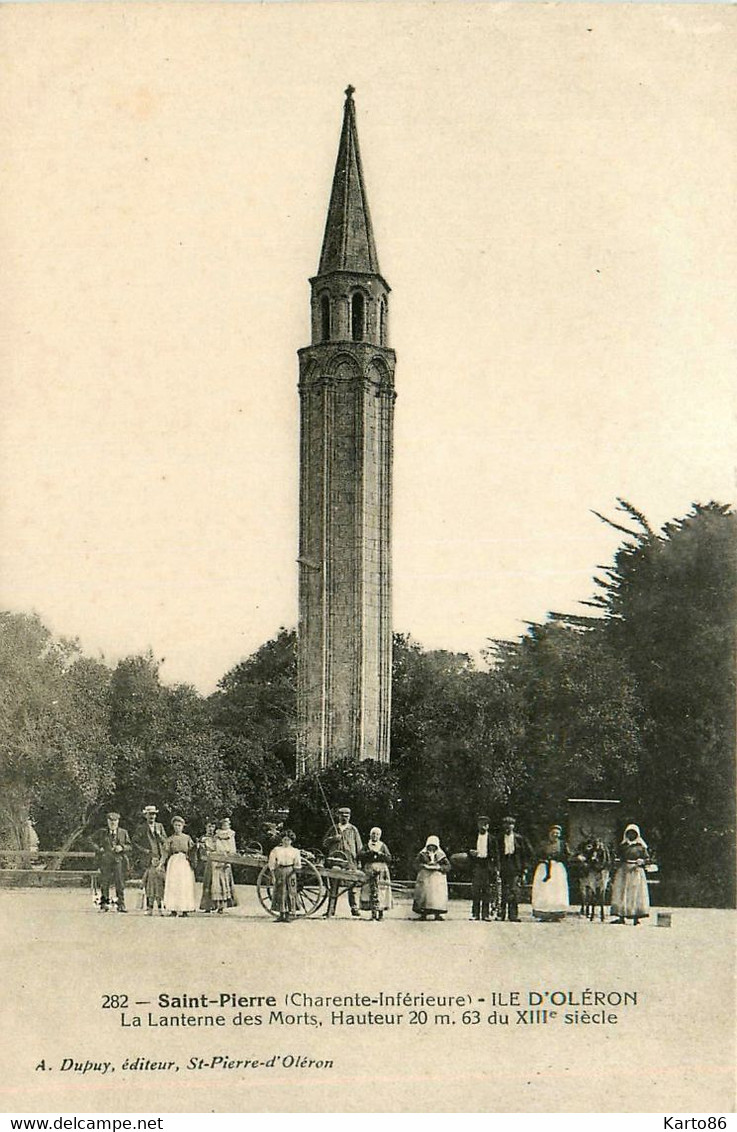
column 455, row 731
column 31, row 666
column 57, row 761
column 367, row 786
column 670, row 609
column 138, row 709
column 166, row 748
column 257, row 700
column 582, row 719
column 79, row 770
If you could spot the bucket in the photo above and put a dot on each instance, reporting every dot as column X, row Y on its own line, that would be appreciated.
column 664, row 919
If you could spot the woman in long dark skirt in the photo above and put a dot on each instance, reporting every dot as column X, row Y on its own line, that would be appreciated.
column 222, row 887
column 284, row 862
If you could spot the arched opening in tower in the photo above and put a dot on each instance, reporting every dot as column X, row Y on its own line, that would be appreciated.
column 325, row 317
column 357, row 317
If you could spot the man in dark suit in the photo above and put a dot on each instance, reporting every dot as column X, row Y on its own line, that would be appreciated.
column 113, row 846
column 485, row 866
column 514, row 856
column 149, row 840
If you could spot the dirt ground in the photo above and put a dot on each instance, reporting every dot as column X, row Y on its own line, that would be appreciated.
column 600, row 1017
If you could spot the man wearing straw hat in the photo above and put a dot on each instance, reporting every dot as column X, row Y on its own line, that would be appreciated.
column 149, row 840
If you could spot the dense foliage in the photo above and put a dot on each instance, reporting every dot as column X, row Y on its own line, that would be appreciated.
column 635, row 702
column 670, row 609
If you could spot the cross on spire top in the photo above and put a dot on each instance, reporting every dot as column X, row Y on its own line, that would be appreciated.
column 349, row 92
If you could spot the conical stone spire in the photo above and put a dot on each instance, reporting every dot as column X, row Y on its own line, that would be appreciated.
column 348, row 243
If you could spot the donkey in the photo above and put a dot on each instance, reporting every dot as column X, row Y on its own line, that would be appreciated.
column 595, row 862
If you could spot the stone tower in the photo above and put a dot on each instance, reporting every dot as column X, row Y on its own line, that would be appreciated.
column 346, row 388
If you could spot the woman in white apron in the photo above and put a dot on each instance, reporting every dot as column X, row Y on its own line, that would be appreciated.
column 550, row 882
column 179, row 887
column 431, row 886
column 376, row 891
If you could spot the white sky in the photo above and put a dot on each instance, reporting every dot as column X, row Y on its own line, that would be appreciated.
column 552, row 190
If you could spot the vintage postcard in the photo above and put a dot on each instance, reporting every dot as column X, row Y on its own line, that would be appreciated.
column 366, row 667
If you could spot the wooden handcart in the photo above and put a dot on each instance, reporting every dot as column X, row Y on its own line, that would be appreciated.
column 314, row 879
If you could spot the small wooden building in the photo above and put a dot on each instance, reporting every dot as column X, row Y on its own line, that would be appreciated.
column 594, row 817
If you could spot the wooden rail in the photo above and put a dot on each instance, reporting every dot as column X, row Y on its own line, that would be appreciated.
column 44, row 854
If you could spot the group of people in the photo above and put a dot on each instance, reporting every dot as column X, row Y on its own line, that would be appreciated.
column 167, row 864
column 498, row 863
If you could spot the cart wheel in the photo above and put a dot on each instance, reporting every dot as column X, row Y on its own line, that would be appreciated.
column 264, row 889
column 311, row 891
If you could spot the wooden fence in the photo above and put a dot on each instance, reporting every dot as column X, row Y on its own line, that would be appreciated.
column 31, row 868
